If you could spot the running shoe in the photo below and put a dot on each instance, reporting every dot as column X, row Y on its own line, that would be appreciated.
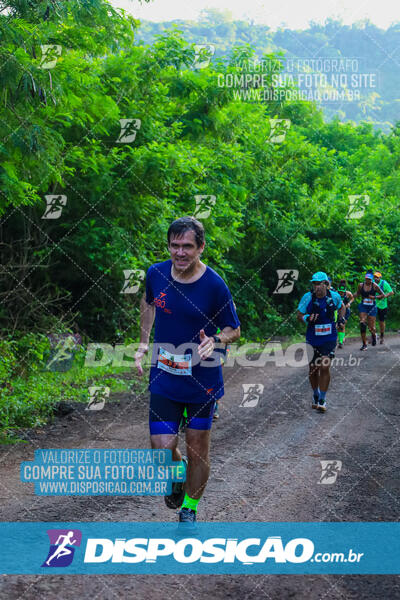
column 187, row 515
column 381, row 339
column 216, row 412
column 322, row 406
column 314, row 404
column 374, row 340
column 364, row 347
column 340, row 345
column 175, row 499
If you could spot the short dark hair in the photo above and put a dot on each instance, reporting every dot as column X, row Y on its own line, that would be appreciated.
column 342, row 282
column 180, row 226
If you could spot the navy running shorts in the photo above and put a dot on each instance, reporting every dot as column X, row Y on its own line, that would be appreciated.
column 382, row 312
column 370, row 309
column 326, row 349
column 165, row 415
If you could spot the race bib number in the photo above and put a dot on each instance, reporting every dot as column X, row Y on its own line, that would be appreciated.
column 177, row 364
column 368, row 301
column 324, row 329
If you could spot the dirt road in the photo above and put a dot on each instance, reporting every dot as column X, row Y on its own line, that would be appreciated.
column 265, row 467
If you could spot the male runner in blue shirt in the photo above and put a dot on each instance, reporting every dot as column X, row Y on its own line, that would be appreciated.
column 317, row 309
column 189, row 302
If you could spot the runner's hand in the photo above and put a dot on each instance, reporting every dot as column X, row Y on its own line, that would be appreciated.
column 206, row 346
column 142, row 350
column 313, row 317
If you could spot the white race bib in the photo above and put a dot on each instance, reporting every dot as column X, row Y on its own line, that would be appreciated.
column 324, row 329
column 177, row 364
column 368, row 301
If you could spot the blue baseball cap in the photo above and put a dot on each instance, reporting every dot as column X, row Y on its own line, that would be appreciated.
column 369, row 276
column 319, row 276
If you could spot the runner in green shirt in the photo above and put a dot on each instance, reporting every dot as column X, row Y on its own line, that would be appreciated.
column 382, row 305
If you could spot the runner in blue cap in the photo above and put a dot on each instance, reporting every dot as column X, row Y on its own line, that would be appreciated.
column 189, row 302
column 369, row 292
column 317, row 309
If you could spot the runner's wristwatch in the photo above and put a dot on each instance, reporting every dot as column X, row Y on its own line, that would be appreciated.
column 216, row 339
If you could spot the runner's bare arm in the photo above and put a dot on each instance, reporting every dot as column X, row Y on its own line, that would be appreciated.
column 147, row 314
column 380, row 291
column 229, row 335
column 207, row 344
column 350, row 297
column 342, row 310
column 311, row 318
column 300, row 316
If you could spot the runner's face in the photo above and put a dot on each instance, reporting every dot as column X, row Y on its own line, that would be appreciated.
column 377, row 280
column 185, row 253
column 320, row 288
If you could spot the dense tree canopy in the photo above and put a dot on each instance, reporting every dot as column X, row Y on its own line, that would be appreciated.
column 376, row 51
column 278, row 205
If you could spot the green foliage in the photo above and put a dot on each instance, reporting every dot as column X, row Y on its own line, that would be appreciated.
column 279, row 205
column 376, row 50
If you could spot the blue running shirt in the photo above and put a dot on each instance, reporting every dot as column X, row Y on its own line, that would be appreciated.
column 325, row 330
column 182, row 310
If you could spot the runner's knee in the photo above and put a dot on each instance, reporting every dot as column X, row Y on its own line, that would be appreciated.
column 162, row 441
column 197, row 445
column 363, row 327
column 325, row 364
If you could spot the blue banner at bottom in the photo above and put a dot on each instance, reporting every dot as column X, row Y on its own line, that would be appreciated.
column 217, row 548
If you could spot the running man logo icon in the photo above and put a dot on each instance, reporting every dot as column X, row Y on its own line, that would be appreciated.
column 129, row 129
column 330, row 471
column 98, row 396
column 133, row 278
column 54, row 207
column 50, row 54
column 357, row 206
column 203, row 54
column 251, row 394
column 203, row 206
column 279, row 128
column 286, row 280
column 63, row 351
column 61, row 551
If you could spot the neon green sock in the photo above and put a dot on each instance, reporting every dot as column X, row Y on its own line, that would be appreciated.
column 341, row 335
column 185, row 412
column 190, row 503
